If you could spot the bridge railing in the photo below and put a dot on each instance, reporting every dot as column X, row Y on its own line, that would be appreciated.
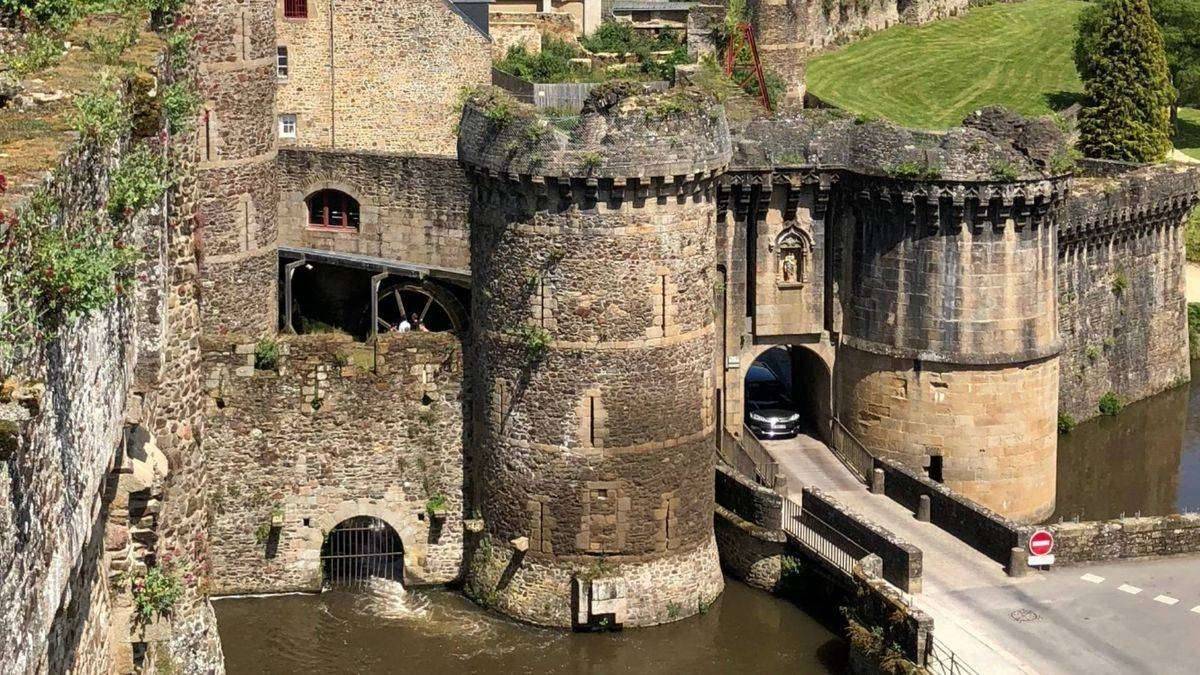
column 822, row 538
column 751, row 459
column 941, row 660
column 852, row 452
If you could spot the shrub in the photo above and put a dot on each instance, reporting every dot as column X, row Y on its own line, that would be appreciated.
column 1120, row 283
column 1066, row 422
column 39, row 52
column 138, row 181
column 1005, row 171
column 1110, row 404
column 155, row 594
column 435, row 505
column 266, row 354
column 102, row 116
column 53, row 14
column 180, row 103
column 536, row 340
column 1121, row 57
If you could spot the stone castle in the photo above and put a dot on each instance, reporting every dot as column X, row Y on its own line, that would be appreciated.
column 596, row 291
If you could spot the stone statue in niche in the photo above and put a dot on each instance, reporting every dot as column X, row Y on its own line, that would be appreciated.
column 793, row 251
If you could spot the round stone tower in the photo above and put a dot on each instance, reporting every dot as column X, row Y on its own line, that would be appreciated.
column 235, row 50
column 949, row 357
column 592, row 244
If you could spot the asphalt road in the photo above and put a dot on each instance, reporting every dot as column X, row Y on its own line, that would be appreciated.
column 1082, row 619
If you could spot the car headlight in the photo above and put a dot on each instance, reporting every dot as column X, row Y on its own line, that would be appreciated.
column 757, row 418
column 793, row 417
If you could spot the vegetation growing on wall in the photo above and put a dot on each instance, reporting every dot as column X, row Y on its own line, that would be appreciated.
column 155, row 594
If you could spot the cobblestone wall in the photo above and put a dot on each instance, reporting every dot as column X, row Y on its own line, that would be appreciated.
column 340, row 430
column 412, row 207
column 392, row 81
column 1122, row 310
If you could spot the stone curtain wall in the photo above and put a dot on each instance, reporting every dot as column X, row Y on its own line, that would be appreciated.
column 788, row 31
column 1126, row 538
column 413, row 208
column 1122, row 310
column 235, row 52
column 397, row 72
column 341, row 430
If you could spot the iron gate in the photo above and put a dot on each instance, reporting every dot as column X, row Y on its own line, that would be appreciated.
column 360, row 548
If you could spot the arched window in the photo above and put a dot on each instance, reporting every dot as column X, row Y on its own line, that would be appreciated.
column 332, row 208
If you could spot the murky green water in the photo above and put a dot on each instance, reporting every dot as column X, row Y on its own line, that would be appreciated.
column 1146, row 459
column 439, row 631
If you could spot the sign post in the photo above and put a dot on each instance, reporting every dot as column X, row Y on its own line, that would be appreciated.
column 1041, row 545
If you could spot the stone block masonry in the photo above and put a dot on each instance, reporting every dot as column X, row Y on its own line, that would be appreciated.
column 342, row 429
column 413, row 207
column 1122, row 310
column 902, row 562
column 391, row 81
column 1126, row 538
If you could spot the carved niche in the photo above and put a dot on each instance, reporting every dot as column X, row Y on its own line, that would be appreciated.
column 793, row 250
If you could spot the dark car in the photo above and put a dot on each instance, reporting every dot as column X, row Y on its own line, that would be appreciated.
column 770, row 414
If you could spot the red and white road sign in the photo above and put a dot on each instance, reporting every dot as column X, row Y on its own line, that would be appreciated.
column 1040, row 546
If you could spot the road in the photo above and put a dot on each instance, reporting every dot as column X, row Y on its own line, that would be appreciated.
column 1062, row 621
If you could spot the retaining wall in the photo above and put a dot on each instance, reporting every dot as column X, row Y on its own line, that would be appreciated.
column 1126, row 538
column 747, row 499
column 749, row 552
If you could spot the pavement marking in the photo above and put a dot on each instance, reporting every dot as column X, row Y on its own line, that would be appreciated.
column 1166, row 599
column 1196, row 609
column 1092, row 579
column 1132, row 590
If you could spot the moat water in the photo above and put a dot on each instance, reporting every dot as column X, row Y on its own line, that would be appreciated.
column 1145, row 459
column 383, row 630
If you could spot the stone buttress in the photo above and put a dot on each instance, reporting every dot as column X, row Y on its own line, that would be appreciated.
column 592, row 313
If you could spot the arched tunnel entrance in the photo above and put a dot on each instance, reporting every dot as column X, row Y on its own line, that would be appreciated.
column 360, row 548
column 788, row 391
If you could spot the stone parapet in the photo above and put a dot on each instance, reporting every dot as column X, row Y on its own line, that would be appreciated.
column 1126, row 538
column 902, row 562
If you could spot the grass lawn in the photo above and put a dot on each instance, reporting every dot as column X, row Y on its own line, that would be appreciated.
column 1017, row 55
column 1188, row 137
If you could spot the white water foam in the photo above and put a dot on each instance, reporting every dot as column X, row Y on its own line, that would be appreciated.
column 390, row 600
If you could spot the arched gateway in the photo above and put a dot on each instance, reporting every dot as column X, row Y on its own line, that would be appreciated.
column 360, row 548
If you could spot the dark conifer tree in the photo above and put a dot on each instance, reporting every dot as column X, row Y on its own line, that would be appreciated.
column 1127, row 111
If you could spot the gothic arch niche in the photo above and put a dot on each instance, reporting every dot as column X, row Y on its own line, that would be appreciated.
column 793, row 256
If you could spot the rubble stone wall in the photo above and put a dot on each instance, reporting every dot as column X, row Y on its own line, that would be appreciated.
column 342, row 429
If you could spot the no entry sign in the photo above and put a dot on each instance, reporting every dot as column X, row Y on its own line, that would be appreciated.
column 1040, row 546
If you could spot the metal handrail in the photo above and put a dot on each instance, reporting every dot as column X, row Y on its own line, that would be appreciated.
column 821, row 538
column 852, row 452
column 941, row 659
column 765, row 465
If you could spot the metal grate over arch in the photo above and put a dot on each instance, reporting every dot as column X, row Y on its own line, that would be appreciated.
column 360, row 548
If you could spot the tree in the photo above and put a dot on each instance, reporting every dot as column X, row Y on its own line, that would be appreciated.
column 1179, row 21
column 1122, row 59
column 1180, row 24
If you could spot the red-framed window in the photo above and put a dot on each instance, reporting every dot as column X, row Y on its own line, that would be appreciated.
column 295, row 9
column 332, row 208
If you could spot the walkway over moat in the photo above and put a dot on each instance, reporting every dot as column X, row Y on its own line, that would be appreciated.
column 1062, row 621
